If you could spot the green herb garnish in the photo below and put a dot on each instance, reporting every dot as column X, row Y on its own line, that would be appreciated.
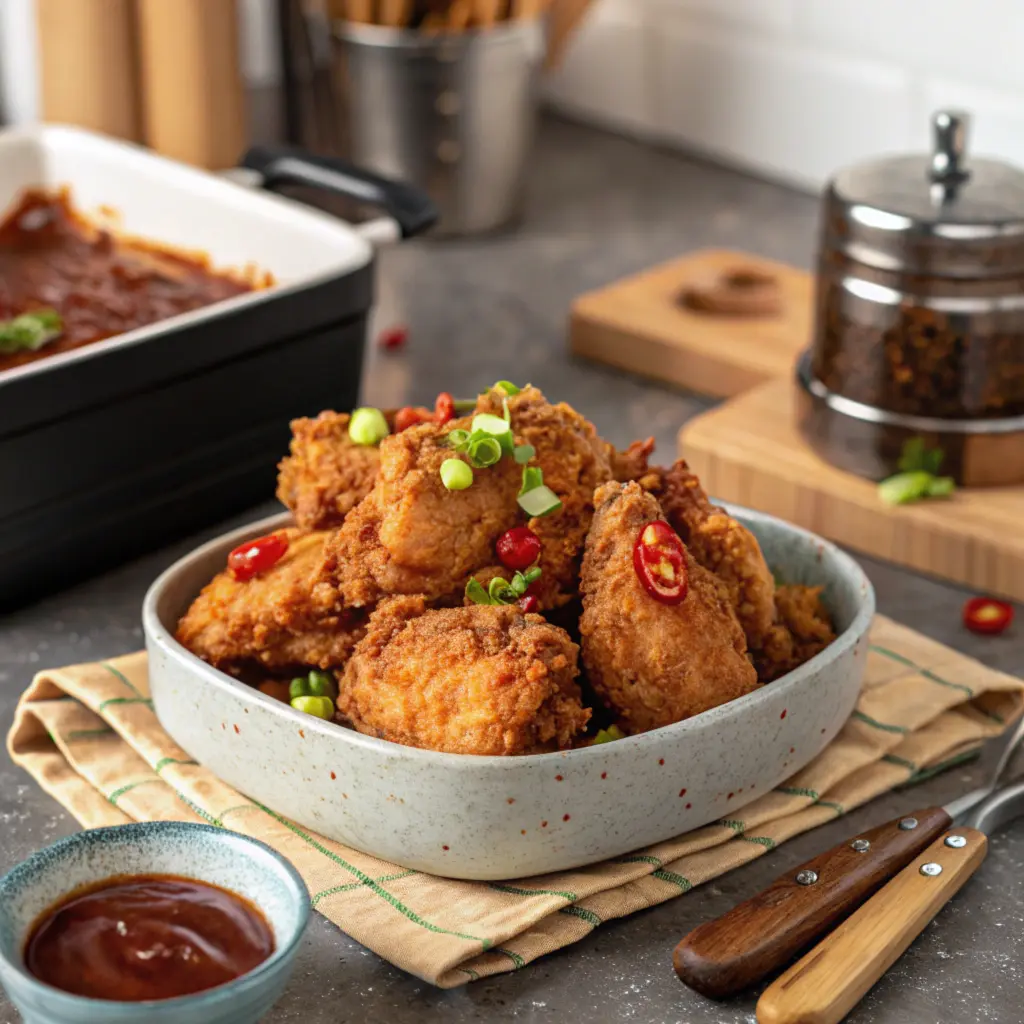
column 535, row 497
column 918, row 477
column 613, row 732
column 507, row 386
column 502, row 591
column 30, row 331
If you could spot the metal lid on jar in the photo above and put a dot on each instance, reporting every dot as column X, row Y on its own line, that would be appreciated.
column 942, row 214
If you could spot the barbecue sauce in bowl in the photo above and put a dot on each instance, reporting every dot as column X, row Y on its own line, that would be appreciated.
column 133, row 938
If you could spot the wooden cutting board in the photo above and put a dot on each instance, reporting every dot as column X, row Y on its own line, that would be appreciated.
column 639, row 324
column 749, row 451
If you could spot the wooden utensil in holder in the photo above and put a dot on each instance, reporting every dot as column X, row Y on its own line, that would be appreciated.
column 89, row 73
column 194, row 97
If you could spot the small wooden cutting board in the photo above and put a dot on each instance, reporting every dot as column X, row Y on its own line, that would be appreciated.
column 639, row 324
column 749, row 451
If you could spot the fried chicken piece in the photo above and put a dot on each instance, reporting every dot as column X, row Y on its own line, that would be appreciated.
column 412, row 536
column 804, row 628
column 720, row 544
column 633, row 463
column 269, row 619
column 575, row 462
column 654, row 663
column 327, row 474
column 479, row 680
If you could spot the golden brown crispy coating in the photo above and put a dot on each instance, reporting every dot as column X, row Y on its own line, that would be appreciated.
column 575, row 461
column 476, row 680
column 654, row 663
column 633, row 463
column 412, row 536
column 269, row 619
column 327, row 474
column 721, row 544
column 804, row 628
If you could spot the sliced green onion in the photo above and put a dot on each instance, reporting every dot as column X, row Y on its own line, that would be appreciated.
column 612, row 733
column 508, row 387
column 321, row 684
column 456, row 475
column 540, row 501
column 915, row 457
column 298, row 687
column 501, row 592
column 533, row 477
column 506, row 414
column 941, row 487
column 476, row 593
column 30, row 331
column 508, row 443
column 368, row 427
column 485, row 452
column 457, row 438
column 495, row 426
column 532, row 575
column 524, row 453
column 905, row 487
column 319, row 707
column 464, row 405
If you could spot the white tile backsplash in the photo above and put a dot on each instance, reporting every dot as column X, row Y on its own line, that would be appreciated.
column 799, row 88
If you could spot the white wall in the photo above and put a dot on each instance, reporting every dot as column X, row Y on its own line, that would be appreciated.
column 790, row 88
column 798, row 88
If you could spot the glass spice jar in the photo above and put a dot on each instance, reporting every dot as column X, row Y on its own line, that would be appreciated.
column 919, row 307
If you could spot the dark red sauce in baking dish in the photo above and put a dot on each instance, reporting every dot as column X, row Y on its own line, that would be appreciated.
column 101, row 285
column 139, row 937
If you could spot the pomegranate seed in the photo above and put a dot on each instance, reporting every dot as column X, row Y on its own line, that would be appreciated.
column 256, row 556
column 518, row 548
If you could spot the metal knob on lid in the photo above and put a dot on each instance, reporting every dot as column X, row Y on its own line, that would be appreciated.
column 949, row 153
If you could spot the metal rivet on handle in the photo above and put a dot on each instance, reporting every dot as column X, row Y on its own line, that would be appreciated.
column 861, row 845
column 908, row 823
column 957, row 842
column 807, row 877
column 931, row 869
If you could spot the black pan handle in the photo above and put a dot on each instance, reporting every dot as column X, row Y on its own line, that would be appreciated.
column 413, row 209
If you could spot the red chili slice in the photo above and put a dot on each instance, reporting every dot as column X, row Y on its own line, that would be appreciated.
column 518, row 548
column 528, row 604
column 659, row 560
column 444, row 408
column 410, row 415
column 256, row 556
column 987, row 615
column 393, row 337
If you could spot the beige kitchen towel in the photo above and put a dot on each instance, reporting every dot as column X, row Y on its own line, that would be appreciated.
column 89, row 737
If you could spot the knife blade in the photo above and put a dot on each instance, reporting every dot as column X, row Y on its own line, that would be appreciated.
column 761, row 935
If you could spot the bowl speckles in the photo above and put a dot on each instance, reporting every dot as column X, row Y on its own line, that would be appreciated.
column 494, row 817
column 234, row 862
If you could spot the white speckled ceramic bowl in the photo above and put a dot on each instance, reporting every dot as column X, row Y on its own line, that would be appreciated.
column 234, row 862
column 508, row 817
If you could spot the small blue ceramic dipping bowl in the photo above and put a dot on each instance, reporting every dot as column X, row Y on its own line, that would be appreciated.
column 207, row 854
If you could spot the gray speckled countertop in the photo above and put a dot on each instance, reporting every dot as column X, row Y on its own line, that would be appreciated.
column 485, row 309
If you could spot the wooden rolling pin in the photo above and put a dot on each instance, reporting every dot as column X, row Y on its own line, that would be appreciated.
column 89, row 66
column 194, row 96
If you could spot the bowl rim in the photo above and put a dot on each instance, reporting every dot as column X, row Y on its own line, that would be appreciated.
column 159, row 635
column 219, row 993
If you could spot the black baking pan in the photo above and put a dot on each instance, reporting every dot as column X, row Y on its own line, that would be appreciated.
column 118, row 447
